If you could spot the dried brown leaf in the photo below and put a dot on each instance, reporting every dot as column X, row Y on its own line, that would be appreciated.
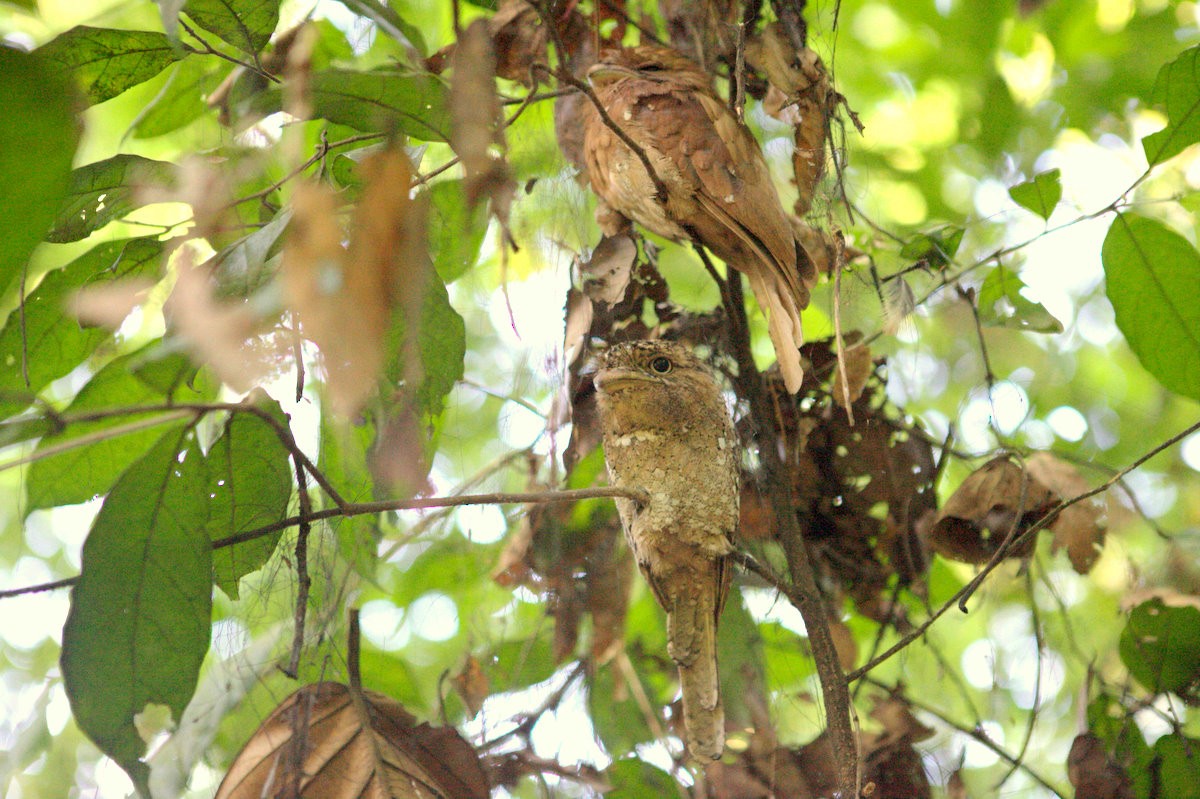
column 894, row 771
column 222, row 335
column 579, row 323
column 844, row 643
column 1093, row 773
column 1078, row 528
column 983, row 510
column 476, row 118
column 328, row 741
column 859, row 367
column 108, row 304
column 898, row 721
column 607, row 272
column 472, row 685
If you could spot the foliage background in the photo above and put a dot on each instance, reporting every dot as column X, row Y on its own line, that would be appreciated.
column 960, row 101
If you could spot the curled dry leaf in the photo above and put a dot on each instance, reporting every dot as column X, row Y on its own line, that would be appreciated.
column 345, row 300
column 472, row 686
column 1078, row 528
column 807, row 104
column 222, row 335
column 476, row 118
column 578, row 323
column 844, row 643
column 206, row 185
column 329, row 741
column 858, row 367
column 996, row 499
column 607, row 272
column 898, row 721
column 1093, row 773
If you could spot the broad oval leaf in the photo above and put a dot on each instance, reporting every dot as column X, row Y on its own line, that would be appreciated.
column 40, row 132
column 245, row 24
column 249, row 485
column 414, row 102
column 103, row 191
column 1161, row 647
column 105, row 61
column 1040, row 195
column 1177, row 88
column 46, row 343
column 455, row 231
column 1153, row 283
column 91, row 455
column 140, row 616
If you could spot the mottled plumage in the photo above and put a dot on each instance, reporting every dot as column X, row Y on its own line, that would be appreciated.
column 718, row 189
column 667, row 431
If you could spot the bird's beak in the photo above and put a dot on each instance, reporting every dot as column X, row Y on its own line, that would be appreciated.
column 602, row 74
column 610, row 380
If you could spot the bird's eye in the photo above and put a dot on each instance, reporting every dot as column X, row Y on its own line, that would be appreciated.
column 651, row 67
column 661, row 365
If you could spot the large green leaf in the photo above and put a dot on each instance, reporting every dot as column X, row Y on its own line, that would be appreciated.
column 1161, row 647
column 39, row 132
column 103, row 191
column 383, row 100
column 455, row 231
column 1177, row 88
column 1153, row 277
column 343, row 461
column 245, row 24
column 140, row 616
column 105, row 61
column 181, row 99
column 249, row 485
column 45, row 343
column 1178, row 764
column 79, row 473
column 443, row 344
column 1002, row 303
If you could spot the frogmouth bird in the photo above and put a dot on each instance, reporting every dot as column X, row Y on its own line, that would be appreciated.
column 716, row 188
column 667, row 431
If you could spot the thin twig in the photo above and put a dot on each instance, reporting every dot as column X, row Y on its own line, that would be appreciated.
column 303, row 578
column 351, row 509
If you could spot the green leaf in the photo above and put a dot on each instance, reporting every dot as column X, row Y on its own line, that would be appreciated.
column 1160, row 646
column 248, row 264
column 1040, row 195
column 1002, row 304
column 181, row 99
column 455, row 233
column 1177, row 88
column 106, row 62
column 1108, row 720
column 937, row 248
column 140, row 616
column 245, row 24
column 40, row 132
column 383, row 100
column 637, row 779
column 1153, row 283
column 249, row 486
column 47, row 343
column 443, row 344
column 80, row 473
column 1179, row 763
column 343, row 461
column 103, row 191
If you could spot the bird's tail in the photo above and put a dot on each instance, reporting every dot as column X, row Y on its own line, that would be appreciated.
column 783, row 324
column 692, row 644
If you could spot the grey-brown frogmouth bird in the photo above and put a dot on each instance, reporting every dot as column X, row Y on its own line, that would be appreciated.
column 667, row 431
column 718, row 191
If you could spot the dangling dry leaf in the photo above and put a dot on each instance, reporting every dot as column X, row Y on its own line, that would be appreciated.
column 472, row 686
column 328, row 741
column 476, row 118
column 895, row 769
column 808, row 104
column 1078, row 528
column 222, row 335
column 345, row 301
column 859, row 367
column 578, row 323
column 606, row 273
column 994, row 500
column 1093, row 773
column 844, row 643
column 108, row 304
column 898, row 721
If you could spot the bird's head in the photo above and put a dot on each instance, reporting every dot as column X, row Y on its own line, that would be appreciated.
column 657, row 379
column 653, row 63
